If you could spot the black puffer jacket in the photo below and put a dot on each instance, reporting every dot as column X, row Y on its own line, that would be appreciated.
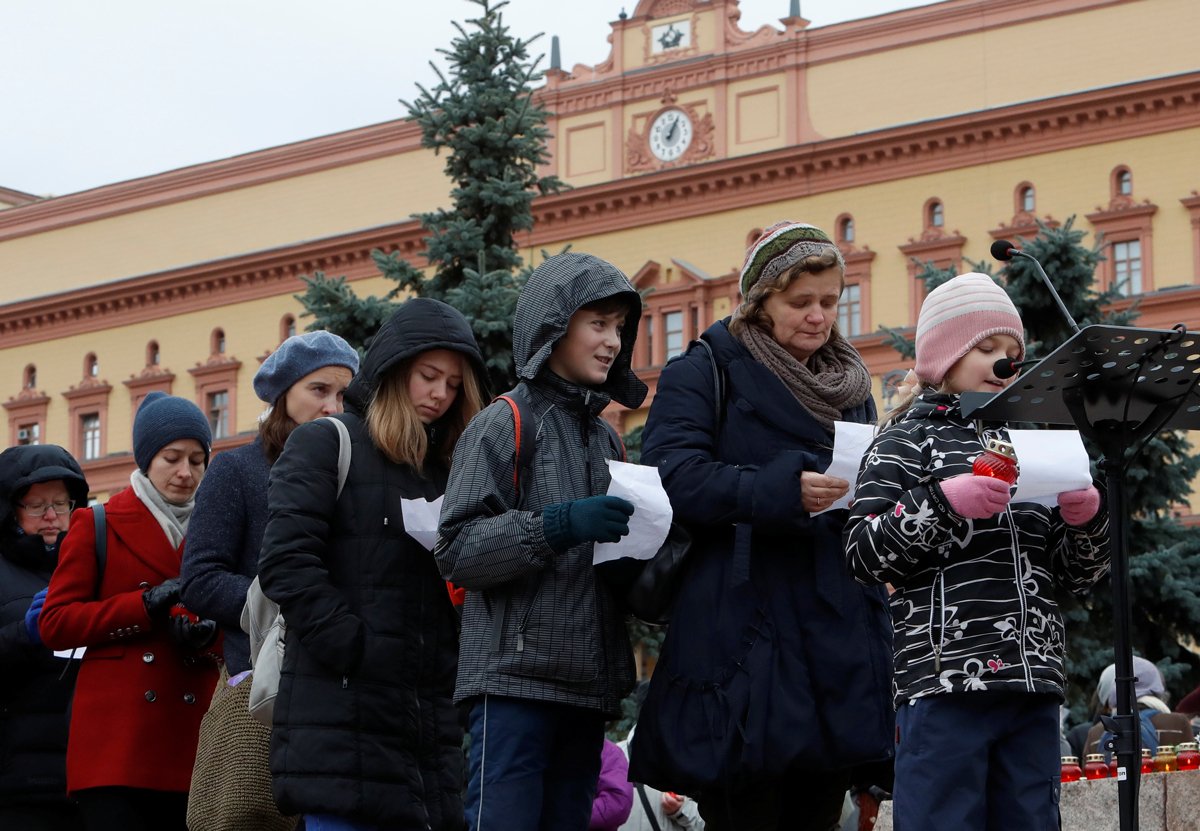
column 36, row 692
column 364, row 723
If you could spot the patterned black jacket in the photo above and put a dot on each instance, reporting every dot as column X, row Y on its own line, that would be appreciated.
column 539, row 625
column 974, row 606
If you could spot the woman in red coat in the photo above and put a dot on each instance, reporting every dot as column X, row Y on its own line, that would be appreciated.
column 146, row 677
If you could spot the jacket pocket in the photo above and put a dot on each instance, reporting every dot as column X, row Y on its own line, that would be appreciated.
column 550, row 631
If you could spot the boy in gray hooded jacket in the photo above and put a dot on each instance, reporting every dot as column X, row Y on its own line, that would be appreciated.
column 545, row 658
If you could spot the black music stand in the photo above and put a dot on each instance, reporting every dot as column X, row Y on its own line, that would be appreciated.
column 1118, row 386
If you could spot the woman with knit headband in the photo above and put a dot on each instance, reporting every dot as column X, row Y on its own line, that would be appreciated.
column 774, row 683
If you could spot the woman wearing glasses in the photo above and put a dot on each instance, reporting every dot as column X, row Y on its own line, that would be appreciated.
column 150, row 668
column 39, row 484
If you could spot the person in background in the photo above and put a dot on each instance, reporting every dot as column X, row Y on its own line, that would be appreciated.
column 774, row 681
column 1157, row 725
column 304, row 379
column 614, row 793
column 150, row 664
column 979, row 639
column 655, row 810
column 366, row 734
column 39, row 486
column 545, row 658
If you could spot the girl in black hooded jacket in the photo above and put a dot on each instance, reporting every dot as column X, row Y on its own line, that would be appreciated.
column 365, row 733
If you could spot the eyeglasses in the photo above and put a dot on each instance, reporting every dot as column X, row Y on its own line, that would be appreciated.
column 60, row 507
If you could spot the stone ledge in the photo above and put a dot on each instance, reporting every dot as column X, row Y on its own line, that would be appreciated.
column 1166, row 802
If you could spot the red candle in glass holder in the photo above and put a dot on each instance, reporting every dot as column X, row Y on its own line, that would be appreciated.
column 998, row 460
column 1071, row 772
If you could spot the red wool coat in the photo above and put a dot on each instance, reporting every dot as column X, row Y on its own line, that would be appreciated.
column 139, row 698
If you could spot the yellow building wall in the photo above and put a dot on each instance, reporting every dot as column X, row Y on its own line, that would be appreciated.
column 585, row 148
column 758, row 110
column 207, row 228
column 976, row 200
column 1027, row 62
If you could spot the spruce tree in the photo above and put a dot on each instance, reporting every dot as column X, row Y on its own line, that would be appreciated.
column 1164, row 557
column 482, row 115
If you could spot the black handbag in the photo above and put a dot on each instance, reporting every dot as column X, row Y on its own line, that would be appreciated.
column 651, row 595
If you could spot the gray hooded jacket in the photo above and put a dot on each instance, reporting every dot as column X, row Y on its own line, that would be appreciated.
column 538, row 625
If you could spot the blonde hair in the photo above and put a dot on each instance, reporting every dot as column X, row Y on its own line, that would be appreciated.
column 397, row 430
column 752, row 312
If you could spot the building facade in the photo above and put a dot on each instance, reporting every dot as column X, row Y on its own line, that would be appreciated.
column 920, row 135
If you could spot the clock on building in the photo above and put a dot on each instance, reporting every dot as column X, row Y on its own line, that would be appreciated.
column 670, row 134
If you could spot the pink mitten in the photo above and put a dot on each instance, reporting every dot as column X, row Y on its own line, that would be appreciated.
column 976, row 497
column 1078, row 507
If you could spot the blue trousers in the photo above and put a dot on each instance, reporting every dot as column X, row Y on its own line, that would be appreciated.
column 978, row 760
column 534, row 765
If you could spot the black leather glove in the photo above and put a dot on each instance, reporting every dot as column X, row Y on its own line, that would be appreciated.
column 193, row 635
column 159, row 599
column 593, row 519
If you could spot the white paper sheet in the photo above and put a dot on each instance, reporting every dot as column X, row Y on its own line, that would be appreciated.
column 421, row 520
column 850, row 443
column 1051, row 461
column 77, row 652
column 651, row 519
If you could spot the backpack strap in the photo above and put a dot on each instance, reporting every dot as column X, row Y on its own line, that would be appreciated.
column 101, row 524
column 524, row 433
column 343, row 462
column 647, row 807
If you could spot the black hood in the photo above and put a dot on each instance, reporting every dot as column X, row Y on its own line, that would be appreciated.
column 29, row 464
column 557, row 289
column 417, row 326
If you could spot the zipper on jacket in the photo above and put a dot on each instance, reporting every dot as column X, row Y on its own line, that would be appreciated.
column 345, row 682
column 936, row 611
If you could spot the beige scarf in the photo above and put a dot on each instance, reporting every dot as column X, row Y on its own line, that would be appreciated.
column 833, row 379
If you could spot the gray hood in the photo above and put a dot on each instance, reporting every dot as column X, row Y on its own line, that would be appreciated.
column 558, row 288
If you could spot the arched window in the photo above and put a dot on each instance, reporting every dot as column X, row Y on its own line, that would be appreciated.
column 935, row 215
column 91, row 366
column 845, row 228
column 1122, row 182
column 287, row 327
column 1026, row 201
column 153, row 354
column 29, row 378
column 217, row 342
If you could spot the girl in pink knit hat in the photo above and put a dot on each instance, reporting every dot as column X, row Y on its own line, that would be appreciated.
column 979, row 641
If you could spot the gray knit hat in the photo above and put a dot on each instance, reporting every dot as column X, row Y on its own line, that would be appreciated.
column 298, row 356
column 781, row 247
column 162, row 419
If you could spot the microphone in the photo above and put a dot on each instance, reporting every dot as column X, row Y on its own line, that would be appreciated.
column 1004, row 251
column 1007, row 367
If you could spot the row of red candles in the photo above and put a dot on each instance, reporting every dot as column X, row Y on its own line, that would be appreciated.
column 1166, row 759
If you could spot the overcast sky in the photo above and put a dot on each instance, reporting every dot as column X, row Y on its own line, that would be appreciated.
column 100, row 91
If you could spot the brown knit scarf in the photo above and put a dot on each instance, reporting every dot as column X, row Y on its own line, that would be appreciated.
column 832, row 380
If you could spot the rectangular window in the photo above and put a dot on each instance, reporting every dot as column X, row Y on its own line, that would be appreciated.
column 673, row 332
column 1127, row 267
column 648, row 336
column 850, row 311
column 218, row 414
column 90, row 428
column 29, row 433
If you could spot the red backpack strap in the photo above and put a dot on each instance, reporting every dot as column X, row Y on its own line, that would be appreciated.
column 516, row 412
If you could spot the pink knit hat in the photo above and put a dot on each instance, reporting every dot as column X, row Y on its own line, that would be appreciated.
column 957, row 315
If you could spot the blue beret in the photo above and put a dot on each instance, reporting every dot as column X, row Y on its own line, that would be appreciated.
column 162, row 419
column 298, row 356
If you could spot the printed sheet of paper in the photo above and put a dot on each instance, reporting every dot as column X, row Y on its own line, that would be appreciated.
column 421, row 520
column 850, row 443
column 1051, row 461
column 651, row 520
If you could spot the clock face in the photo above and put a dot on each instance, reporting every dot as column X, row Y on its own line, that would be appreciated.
column 670, row 135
